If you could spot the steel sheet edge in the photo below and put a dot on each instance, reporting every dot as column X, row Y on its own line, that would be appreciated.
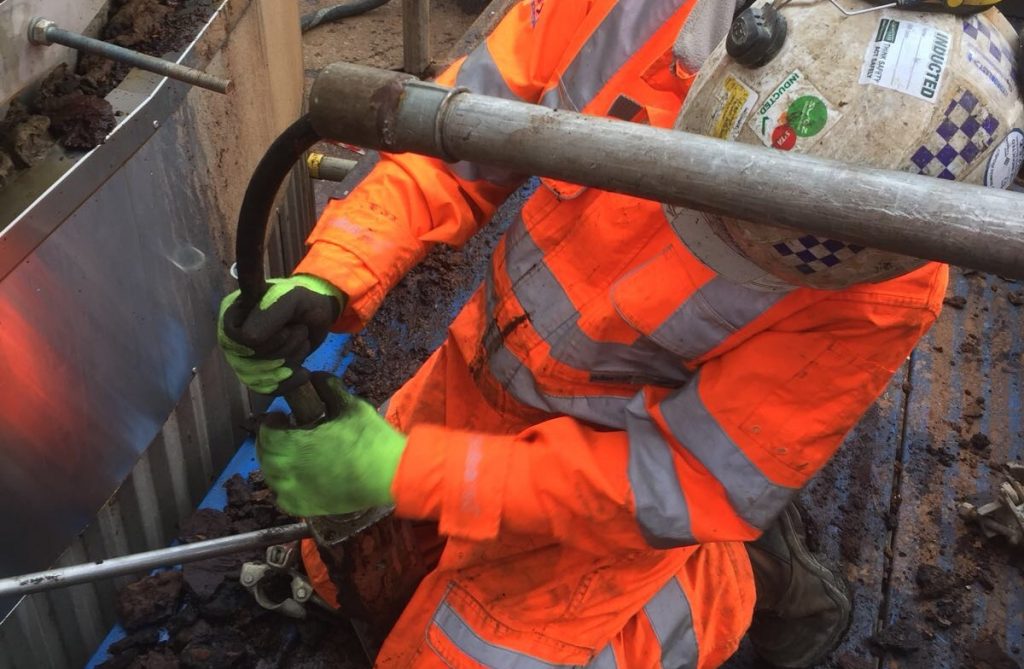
column 105, row 319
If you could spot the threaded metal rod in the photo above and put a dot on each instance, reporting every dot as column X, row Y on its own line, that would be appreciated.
column 143, row 562
column 44, row 32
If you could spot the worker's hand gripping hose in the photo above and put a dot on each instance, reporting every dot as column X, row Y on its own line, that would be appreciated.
column 308, row 409
column 253, row 218
column 266, row 345
column 344, row 464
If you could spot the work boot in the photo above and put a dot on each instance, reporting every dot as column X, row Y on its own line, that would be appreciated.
column 802, row 610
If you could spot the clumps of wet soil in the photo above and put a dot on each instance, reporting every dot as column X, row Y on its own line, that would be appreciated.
column 200, row 617
column 69, row 108
column 24, row 140
column 78, row 120
column 901, row 638
column 987, row 654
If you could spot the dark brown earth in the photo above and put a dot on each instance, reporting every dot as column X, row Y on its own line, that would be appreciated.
column 79, row 120
column 7, row 169
column 69, row 107
column 26, row 136
column 901, row 638
column 988, row 654
column 210, row 621
column 152, row 600
column 412, row 322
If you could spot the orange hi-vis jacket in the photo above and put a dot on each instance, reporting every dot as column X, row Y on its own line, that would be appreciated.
column 610, row 418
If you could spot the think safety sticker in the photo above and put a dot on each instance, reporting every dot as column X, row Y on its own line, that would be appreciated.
column 907, row 57
column 735, row 101
column 793, row 115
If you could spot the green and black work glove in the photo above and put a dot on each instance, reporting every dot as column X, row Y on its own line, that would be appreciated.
column 345, row 463
column 266, row 347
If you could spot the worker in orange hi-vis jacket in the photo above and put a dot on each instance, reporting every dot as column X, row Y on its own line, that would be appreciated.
column 614, row 430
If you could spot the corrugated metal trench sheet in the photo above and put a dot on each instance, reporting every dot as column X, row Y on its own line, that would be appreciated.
column 62, row 628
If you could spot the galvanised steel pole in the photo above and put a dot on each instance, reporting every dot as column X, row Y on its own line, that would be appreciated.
column 975, row 227
column 143, row 562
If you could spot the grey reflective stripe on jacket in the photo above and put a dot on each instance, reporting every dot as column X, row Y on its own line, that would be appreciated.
column 555, row 319
column 661, row 508
column 702, row 323
column 718, row 309
column 480, row 74
column 671, row 619
column 668, row 612
column 751, row 494
column 517, row 379
column 624, row 31
column 626, row 28
column 494, row 656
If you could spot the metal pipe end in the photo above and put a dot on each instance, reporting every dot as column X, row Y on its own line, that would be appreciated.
column 37, row 28
column 313, row 161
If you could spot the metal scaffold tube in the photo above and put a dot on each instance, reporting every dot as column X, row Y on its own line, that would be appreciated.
column 143, row 562
column 970, row 226
column 44, row 32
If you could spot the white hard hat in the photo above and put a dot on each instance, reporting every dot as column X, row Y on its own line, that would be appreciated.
column 928, row 93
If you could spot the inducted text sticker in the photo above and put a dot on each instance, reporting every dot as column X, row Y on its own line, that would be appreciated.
column 907, row 57
column 793, row 115
column 735, row 102
column 1005, row 161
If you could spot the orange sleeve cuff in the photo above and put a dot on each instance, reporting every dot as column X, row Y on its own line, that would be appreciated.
column 363, row 250
column 456, row 478
column 349, row 274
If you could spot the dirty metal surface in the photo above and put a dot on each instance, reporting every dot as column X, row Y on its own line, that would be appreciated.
column 958, row 598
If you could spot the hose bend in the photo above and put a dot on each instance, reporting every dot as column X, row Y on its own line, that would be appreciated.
column 251, row 238
column 258, row 202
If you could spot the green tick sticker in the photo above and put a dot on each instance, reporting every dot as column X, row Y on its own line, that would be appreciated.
column 807, row 115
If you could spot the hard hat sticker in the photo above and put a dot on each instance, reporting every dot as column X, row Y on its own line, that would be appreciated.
column 967, row 129
column 735, row 101
column 991, row 55
column 794, row 115
column 807, row 115
column 907, row 57
column 1006, row 160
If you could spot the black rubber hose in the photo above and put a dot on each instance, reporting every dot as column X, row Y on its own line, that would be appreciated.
column 254, row 216
column 251, row 239
column 338, row 12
